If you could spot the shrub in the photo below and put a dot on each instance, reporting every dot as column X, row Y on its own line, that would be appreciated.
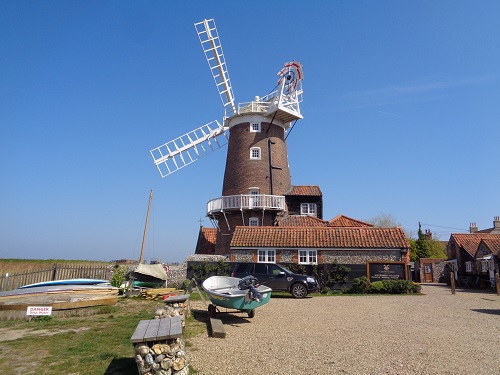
column 119, row 276
column 393, row 286
column 207, row 269
column 360, row 285
column 377, row 287
column 328, row 275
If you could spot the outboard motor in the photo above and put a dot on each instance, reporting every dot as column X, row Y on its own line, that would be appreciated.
column 250, row 282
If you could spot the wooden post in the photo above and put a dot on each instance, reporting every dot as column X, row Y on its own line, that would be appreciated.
column 452, row 279
column 497, row 282
column 54, row 272
column 146, row 226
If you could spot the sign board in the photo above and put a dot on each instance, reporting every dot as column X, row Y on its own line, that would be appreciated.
column 378, row 271
column 39, row 310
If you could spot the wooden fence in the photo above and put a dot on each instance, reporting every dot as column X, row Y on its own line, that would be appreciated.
column 15, row 280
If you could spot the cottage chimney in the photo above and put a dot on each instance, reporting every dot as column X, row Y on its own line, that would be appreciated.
column 428, row 235
column 496, row 222
column 472, row 228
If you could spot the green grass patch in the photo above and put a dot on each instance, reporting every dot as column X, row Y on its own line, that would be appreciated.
column 96, row 344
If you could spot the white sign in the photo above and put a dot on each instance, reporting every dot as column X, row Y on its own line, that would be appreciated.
column 39, row 310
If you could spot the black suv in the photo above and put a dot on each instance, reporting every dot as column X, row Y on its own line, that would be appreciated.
column 278, row 278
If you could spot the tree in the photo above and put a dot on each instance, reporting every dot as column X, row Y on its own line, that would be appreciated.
column 425, row 246
column 383, row 220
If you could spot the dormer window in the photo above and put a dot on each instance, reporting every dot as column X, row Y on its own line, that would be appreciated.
column 255, row 127
column 253, row 222
column 308, row 209
column 255, row 153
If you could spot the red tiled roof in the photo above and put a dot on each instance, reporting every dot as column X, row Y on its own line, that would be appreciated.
column 489, row 230
column 493, row 245
column 320, row 237
column 300, row 221
column 206, row 241
column 470, row 241
column 345, row 221
column 305, row 190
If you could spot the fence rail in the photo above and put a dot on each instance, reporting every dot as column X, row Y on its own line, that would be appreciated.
column 15, row 280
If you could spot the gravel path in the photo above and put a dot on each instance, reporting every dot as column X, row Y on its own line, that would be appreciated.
column 434, row 333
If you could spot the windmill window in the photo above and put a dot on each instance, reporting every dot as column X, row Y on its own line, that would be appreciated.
column 253, row 222
column 255, row 153
column 255, row 127
column 309, row 209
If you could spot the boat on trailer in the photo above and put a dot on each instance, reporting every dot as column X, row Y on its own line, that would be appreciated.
column 234, row 293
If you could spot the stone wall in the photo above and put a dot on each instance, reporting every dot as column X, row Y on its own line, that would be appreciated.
column 177, row 274
column 359, row 256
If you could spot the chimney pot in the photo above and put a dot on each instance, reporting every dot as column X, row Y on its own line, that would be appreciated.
column 496, row 222
column 473, row 228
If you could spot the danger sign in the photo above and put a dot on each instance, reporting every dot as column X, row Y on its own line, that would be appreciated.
column 39, row 310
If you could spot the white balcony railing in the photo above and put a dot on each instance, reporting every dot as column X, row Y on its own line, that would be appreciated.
column 269, row 104
column 246, row 202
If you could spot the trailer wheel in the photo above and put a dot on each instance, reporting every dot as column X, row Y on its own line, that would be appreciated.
column 251, row 313
column 212, row 311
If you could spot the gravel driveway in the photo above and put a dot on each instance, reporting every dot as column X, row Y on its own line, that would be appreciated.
column 434, row 333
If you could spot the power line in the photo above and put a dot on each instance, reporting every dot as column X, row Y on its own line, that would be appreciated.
column 440, row 226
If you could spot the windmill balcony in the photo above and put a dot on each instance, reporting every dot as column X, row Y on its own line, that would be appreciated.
column 246, row 202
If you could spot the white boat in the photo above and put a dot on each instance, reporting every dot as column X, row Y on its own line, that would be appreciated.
column 228, row 292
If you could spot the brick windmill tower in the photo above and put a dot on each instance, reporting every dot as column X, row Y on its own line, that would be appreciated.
column 257, row 174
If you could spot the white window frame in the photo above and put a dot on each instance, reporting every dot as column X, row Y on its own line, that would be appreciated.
column 255, row 153
column 253, row 222
column 308, row 257
column 266, row 256
column 309, row 209
column 255, row 127
column 484, row 266
column 468, row 266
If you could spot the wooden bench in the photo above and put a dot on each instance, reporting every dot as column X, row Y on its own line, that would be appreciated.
column 157, row 330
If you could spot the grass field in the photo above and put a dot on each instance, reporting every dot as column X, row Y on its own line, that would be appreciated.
column 97, row 344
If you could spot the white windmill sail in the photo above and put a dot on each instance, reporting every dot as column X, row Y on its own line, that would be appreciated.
column 210, row 42
column 186, row 149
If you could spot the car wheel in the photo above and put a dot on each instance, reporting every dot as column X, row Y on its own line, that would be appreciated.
column 299, row 290
column 251, row 313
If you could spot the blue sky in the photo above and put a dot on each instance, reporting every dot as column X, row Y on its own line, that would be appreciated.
column 401, row 115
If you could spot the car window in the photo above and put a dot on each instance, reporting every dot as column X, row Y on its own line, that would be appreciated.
column 260, row 268
column 273, row 269
column 286, row 269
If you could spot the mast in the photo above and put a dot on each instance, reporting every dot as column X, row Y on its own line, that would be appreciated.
column 146, row 226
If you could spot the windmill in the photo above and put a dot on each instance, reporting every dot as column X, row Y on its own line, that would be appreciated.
column 257, row 173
